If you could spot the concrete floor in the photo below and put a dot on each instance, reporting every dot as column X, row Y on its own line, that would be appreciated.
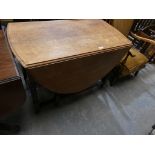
column 126, row 108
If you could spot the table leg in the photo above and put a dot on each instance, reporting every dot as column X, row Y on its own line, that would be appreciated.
column 33, row 91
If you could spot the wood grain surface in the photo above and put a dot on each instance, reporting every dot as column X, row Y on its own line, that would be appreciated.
column 7, row 67
column 67, row 56
column 76, row 75
column 12, row 94
column 123, row 25
column 45, row 42
column 12, row 97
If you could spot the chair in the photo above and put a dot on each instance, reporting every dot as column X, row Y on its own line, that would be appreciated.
column 147, row 35
column 137, row 57
column 129, row 66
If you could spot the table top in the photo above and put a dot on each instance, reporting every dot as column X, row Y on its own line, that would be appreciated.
column 45, row 42
column 7, row 67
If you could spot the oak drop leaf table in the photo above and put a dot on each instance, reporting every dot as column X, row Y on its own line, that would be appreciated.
column 67, row 56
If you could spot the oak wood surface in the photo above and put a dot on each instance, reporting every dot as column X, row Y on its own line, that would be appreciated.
column 123, row 25
column 12, row 97
column 12, row 94
column 76, row 75
column 7, row 67
column 135, row 62
column 67, row 56
column 45, row 42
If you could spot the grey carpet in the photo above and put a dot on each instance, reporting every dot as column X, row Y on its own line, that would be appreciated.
column 126, row 108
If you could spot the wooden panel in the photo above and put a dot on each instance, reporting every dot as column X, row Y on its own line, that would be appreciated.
column 7, row 67
column 123, row 25
column 135, row 63
column 12, row 93
column 78, row 74
column 12, row 96
column 46, row 42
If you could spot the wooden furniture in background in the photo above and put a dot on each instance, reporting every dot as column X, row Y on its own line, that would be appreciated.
column 123, row 25
column 140, row 25
column 142, row 35
column 12, row 93
column 129, row 66
column 147, row 35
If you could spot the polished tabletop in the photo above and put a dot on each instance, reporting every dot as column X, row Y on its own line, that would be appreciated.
column 7, row 67
column 45, row 42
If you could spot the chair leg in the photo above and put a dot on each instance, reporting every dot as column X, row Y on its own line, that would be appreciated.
column 136, row 73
